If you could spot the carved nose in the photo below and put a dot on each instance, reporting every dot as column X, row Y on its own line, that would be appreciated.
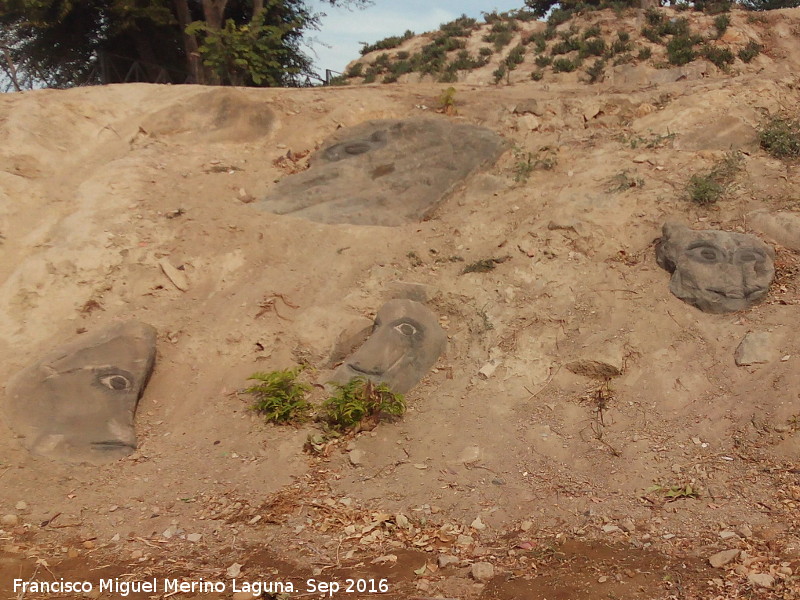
column 735, row 293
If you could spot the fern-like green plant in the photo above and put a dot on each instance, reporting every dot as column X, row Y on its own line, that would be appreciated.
column 279, row 396
column 360, row 400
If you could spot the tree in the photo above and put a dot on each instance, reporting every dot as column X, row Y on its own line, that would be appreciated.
column 63, row 43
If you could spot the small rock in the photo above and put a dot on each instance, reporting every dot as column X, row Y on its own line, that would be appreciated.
column 720, row 559
column 234, row 570
column 488, row 369
column 628, row 525
column 194, row 537
column 764, row 580
column 745, row 531
column 598, row 367
column 726, row 535
column 21, row 506
column 176, row 276
column 356, row 457
column 611, row 529
column 754, row 349
column 137, row 554
column 72, row 553
column 445, row 560
column 477, row 524
column 464, row 540
column 115, row 538
column 528, row 123
column 482, row 571
column 401, row 521
column 88, row 544
column 526, row 525
column 9, row 520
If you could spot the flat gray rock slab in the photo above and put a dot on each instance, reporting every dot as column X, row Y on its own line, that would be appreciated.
column 755, row 349
column 77, row 403
column 387, row 172
column 716, row 271
column 405, row 343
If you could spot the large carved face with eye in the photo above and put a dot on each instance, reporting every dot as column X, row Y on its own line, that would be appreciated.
column 77, row 404
column 405, row 343
column 716, row 271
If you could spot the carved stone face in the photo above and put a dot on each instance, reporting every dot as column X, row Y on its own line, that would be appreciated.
column 386, row 172
column 406, row 341
column 716, row 271
column 77, row 404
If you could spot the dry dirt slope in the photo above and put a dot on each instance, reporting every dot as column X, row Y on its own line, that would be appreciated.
column 100, row 184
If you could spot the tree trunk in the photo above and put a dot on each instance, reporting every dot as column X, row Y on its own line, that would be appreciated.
column 11, row 70
column 214, row 11
column 190, row 47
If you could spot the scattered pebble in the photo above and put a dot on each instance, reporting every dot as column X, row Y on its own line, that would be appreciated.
column 194, row 537
column 9, row 520
column 482, row 571
column 477, row 524
column 21, row 505
column 445, row 560
column 720, row 559
column 764, row 580
column 611, row 529
column 356, row 457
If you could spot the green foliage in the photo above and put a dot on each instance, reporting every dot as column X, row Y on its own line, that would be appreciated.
column 370, row 75
column 460, row 27
column 593, row 47
column 253, row 53
column 565, row 65
column 447, row 100
column 591, row 32
column 654, row 140
column 644, row 54
column 537, row 75
column 355, row 70
column 543, row 61
column 674, row 492
column 622, row 181
column 680, row 50
column 721, row 24
column 515, row 57
column 386, row 43
column 501, row 33
column 559, row 16
column 485, row 52
column 780, row 136
column 596, row 71
column 565, row 46
column 465, row 62
column 750, row 51
column 279, row 396
column 721, row 57
column 360, row 400
column 707, row 188
column 500, row 72
column 654, row 17
column 622, row 43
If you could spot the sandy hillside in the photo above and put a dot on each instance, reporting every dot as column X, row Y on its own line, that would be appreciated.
column 505, row 456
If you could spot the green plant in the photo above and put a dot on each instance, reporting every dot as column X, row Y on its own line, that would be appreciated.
column 622, row 43
column 559, row 16
column 499, row 73
column 593, row 47
column 654, row 140
column 652, row 34
column 524, row 165
column 565, row 65
column 644, row 54
column 680, row 50
column 501, row 33
column 515, row 57
column 386, row 43
column 447, row 100
column 279, row 396
column 402, row 55
column 750, row 51
column 543, row 61
column 593, row 31
column 485, row 52
column 708, row 188
column 370, row 74
column 355, row 70
column 461, row 27
column 622, row 181
column 674, row 492
column 596, row 71
column 359, row 403
column 721, row 57
column 537, row 75
column 780, row 136
column 654, row 17
column 565, row 46
column 721, row 24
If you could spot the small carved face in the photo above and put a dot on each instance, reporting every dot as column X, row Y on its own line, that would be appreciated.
column 78, row 403
column 716, row 271
column 406, row 341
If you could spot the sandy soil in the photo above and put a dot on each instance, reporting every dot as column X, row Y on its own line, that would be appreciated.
column 539, row 472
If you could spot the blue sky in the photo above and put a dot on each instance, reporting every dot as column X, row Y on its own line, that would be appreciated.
column 343, row 29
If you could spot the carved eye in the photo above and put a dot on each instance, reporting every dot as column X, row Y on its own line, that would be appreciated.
column 357, row 148
column 748, row 256
column 406, row 329
column 705, row 254
column 115, row 382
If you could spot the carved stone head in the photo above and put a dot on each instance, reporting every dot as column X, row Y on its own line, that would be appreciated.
column 406, row 341
column 77, row 404
column 716, row 271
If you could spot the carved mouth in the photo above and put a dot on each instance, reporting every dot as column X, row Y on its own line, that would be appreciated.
column 737, row 295
column 368, row 372
column 106, row 445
